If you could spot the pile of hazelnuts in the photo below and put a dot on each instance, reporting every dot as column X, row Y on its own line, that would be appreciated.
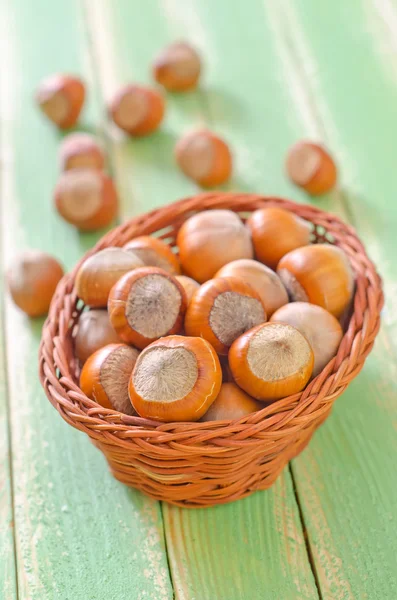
column 138, row 111
column 222, row 339
column 86, row 197
column 238, row 315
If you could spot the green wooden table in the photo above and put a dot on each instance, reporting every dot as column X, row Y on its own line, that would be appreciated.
column 276, row 71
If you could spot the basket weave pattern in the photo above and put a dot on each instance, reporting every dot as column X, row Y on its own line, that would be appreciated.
column 201, row 464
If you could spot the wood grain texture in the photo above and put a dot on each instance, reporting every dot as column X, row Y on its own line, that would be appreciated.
column 122, row 49
column 8, row 568
column 7, row 542
column 80, row 534
column 253, row 548
column 346, row 479
column 124, row 40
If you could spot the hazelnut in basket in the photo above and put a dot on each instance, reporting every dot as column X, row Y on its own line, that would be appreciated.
column 271, row 361
column 276, row 231
column 211, row 239
column 231, row 403
column 104, row 377
column 320, row 274
column 262, row 279
column 221, row 310
column 175, row 379
column 94, row 331
column 99, row 272
column 154, row 253
column 146, row 304
column 321, row 329
column 178, row 378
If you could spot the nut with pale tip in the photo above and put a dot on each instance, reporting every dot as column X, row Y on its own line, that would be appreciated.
column 204, row 157
column 99, row 272
column 271, row 361
column 146, row 304
column 105, row 376
column 61, row 98
column 177, row 67
column 221, row 310
column 311, row 167
column 86, row 198
column 81, row 151
column 137, row 110
column 32, row 279
column 175, row 379
column 209, row 240
column 320, row 274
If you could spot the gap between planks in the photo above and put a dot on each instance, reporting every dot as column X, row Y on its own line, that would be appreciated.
column 292, row 46
column 8, row 445
column 5, row 109
column 309, row 552
column 93, row 61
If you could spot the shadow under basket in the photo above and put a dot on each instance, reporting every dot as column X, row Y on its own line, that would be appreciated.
column 202, row 464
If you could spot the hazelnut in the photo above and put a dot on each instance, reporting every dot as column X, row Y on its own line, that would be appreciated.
column 61, row 98
column 204, row 157
column 221, row 310
column 86, row 198
column 146, row 304
column 320, row 274
column 104, row 377
column 275, row 232
column 137, row 110
column 189, row 285
column 311, row 167
column 175, row 379
column 99, row 272
column 177, row 67
column 271, row 361
column 231, row 403
column 211, row 239
column 94, row 331
column 32, row 279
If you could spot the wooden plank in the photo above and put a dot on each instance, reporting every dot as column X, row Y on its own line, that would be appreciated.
column 80, row 534
column 122, row 40
column 8, row 575
column 346, row 479
column 264, row 531
column 253, row 548
column 7, row 542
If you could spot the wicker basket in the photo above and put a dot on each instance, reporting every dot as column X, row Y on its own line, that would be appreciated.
column 201, row 464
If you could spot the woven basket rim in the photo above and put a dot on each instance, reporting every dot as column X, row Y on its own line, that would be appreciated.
column 83, row 413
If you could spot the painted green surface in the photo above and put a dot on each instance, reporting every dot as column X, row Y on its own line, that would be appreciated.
column 79, row 533
column 7, row 547
column 275, row 72
column 196, row 540
column 346, row 480
column 252, row 549
column 124, row 39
